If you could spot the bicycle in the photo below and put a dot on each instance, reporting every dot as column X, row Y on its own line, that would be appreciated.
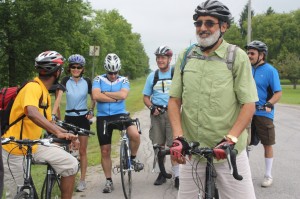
column 126, row 166
column 210, row 189
column 52, row 179
column 28, row 189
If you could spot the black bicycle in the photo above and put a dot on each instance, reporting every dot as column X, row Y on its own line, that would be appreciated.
column 51, row 185
column 210, row 190
column 28, row 189
column 126, row 166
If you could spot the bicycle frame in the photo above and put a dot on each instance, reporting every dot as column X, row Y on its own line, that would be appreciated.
column 28, row 182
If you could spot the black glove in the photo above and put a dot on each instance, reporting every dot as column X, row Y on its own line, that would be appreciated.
column 179, row 147
column 269, row 105
column 219, row 150
column 152, row 109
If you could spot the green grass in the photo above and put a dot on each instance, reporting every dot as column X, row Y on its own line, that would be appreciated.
column 290, row 95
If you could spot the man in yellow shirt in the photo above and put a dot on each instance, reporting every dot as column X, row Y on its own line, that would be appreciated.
column 34, row 101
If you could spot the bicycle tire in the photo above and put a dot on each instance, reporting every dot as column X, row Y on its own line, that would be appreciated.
column 21, row 195
column 51, row 187
column 125, row 170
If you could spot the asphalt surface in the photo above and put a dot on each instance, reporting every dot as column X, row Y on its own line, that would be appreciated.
column 286, row 171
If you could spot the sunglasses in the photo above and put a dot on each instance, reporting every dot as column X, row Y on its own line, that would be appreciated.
column 112, row 73
column 208, row 23
column 250, row 53
column 76, row 67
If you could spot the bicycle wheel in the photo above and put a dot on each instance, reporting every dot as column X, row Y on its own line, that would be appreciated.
column 51, row 186
column 22, row 194
column 125, row 170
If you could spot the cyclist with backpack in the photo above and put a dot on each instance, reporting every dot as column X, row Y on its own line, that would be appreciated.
column 156, row 97
column 34, row 101
column 269, row 92
column 77, row 112
column 212, row 103
column 110, row 90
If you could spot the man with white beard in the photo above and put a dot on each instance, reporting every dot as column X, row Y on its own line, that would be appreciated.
column 212, row 104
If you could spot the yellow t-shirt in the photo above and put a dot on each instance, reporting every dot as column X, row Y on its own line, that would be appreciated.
column 29, row 95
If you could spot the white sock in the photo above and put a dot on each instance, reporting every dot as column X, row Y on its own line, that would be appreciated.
column 175, row 170
column 269, row 163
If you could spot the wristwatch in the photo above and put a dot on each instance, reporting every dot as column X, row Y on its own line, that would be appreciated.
column 232, row 138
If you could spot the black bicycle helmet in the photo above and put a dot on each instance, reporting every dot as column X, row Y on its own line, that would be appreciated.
column 164, row 50
column 49, row 62
column 258, row 45
column 215, row 9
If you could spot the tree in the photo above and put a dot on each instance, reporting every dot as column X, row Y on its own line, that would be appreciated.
column 270, row 11
column 31, row 27
column 289, row 67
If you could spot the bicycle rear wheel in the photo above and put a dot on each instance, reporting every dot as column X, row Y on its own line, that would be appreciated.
column 22, row 194
column 51, row 186
column 125, row 170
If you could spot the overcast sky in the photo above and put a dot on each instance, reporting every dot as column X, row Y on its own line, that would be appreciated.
column 169, row 22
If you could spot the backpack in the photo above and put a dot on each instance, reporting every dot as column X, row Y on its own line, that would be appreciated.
column 231, row 53
column 7, row 98
column 156, row 76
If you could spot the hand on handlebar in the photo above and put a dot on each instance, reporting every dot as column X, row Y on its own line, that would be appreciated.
column 219, row 150
column 177, row 151
column 67, row 136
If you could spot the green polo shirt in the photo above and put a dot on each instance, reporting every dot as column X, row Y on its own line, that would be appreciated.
column 212, row 95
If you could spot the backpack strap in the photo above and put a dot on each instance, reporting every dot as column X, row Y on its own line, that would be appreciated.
column 187, row 55
column 231, row 54
column 156, row 78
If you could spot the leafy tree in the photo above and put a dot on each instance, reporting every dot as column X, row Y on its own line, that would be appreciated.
column 31, row 27
column 289, row 67
column 270, row 11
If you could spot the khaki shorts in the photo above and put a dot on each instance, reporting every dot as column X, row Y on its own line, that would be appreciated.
column 160, row 130
column 265, row 129
column 62, row 162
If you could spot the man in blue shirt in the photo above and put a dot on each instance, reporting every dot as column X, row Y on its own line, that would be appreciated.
column 156, row 98
column 269, row 92
column 110, row 91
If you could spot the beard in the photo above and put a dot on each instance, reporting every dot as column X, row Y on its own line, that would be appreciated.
column 208, row 41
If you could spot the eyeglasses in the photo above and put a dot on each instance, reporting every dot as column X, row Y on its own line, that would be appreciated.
column 208, row 23
column 76, row 67
column 250, row 53
column 112, row 73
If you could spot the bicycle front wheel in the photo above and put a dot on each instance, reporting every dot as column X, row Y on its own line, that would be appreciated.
column 125, row 170
column 22, row 194
column 51, row 187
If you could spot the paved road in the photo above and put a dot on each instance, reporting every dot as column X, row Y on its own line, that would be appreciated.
column 286, row 171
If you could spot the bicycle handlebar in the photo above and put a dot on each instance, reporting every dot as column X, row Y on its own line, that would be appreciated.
column 73, row 128
column 122, row 121
column 27, row 142
column 200, row 151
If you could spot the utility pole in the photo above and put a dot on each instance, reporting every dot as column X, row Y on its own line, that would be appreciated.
column 249, row 29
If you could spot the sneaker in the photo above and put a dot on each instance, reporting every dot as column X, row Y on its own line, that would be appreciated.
column 137, row 165
column 160, row 180
column 267, row 181
column 81, row 186
column 176, row 182
column 109, row 186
